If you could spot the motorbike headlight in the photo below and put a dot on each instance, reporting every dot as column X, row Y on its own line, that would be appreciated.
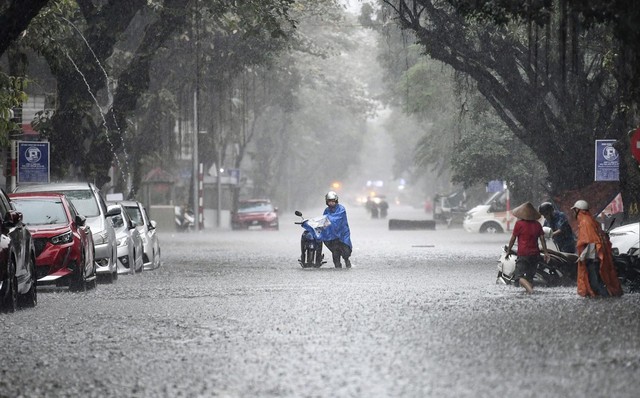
column 62, row 238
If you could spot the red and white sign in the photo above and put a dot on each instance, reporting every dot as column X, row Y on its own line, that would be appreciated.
column 635, row 144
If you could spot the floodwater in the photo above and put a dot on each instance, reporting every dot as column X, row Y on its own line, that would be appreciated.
column 232, row 314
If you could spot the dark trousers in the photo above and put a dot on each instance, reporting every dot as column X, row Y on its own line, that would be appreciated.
column 338, row 249
column 593, row 269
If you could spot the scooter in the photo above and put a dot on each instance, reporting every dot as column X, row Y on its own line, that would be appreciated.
column 561, row 270
column 628, row 269
column 185, row 219
column 310, row 245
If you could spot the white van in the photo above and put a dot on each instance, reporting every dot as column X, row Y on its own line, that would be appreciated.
column 490, row 217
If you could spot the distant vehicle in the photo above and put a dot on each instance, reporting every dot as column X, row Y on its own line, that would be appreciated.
column 17, row 260
column 62, row 239
column 490, row 217
column 255, row 213
column 148, row 233
column 129, row 243
column 88, row 200
column 450, row 208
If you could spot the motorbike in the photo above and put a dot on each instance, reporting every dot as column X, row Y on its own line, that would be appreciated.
column 310, row 245
column 185, row 219
column 628, row 269
column 561, row 270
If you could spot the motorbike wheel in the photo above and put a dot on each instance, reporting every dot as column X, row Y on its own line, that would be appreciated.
column 546, row 277
column 318, row 257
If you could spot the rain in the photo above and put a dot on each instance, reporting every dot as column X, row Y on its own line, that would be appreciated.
column 193, row 107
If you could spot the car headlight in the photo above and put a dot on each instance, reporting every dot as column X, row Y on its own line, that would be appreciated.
column 122, row 241
column 62, row 238
column 100, row 237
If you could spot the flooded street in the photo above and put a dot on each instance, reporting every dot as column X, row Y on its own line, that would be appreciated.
column 232, row 314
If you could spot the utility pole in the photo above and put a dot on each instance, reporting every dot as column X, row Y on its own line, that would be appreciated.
column 196, row 124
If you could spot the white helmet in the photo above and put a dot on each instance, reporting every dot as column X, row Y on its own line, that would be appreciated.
column 581, row 205
column 331, row 195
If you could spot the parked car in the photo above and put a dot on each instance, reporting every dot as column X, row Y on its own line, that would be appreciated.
column 18, row 286
column 129, row 243
column 255, row 213
column 88, row 200
column 490, row 217
column 625, row 237
column 62, row 239
column 148, row 232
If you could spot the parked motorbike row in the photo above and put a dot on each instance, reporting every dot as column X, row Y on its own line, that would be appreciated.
column 561, row 270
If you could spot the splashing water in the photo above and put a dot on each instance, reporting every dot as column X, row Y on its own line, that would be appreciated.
column 100, row 108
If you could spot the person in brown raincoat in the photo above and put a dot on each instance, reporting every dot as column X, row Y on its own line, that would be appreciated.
column 596, row 274
column 527, row 231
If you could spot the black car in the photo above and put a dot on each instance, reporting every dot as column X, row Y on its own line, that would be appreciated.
column 17, row 260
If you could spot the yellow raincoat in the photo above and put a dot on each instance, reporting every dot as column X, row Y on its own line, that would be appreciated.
column 589, row 231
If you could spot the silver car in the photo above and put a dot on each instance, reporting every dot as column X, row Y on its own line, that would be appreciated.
column 129, row 243
column 87, row 199
column 147, row 228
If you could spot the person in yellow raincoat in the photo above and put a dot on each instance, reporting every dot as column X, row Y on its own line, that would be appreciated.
column 597, row 275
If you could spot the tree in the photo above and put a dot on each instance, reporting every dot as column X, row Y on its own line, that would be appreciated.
column 97, row 96
column 557, row 113
column 15, row 16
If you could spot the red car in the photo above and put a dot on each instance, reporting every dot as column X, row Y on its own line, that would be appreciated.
column 63, row 241
column 255, row 213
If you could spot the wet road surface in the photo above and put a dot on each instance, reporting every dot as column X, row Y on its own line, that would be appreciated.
column 232, row 314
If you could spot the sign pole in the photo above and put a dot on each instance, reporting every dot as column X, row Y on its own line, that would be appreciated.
column 14, row 157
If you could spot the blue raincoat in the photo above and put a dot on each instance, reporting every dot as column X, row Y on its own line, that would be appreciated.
column 339, row 228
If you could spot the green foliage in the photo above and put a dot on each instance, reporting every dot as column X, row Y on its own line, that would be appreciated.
column 12, row 95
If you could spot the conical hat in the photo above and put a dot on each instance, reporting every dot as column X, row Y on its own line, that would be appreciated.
column 526, row 211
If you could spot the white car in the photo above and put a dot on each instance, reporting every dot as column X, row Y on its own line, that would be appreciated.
column 147, row 228
column 130, row 248
column 490, row 217
column 624, row 237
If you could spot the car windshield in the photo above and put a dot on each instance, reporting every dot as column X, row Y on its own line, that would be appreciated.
column 40, row 211
column 135, row 215
column 84, row 202
column 251, row 207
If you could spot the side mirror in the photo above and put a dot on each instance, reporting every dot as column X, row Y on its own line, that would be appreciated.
column 153, row 224
column 81, row 220
column 12, row 218
column 113, row 210
column 298, row 213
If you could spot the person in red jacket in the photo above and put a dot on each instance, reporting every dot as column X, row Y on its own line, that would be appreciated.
column 527, row 231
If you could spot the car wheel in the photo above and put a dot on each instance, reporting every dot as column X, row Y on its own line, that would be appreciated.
column 491, row 228
column 114, row 259
column 79, row 282
column 94, row 274
column 9, row 299
column 30, row 298
column 156, row 259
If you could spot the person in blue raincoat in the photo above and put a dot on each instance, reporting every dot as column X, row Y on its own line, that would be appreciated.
column 337, row 236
